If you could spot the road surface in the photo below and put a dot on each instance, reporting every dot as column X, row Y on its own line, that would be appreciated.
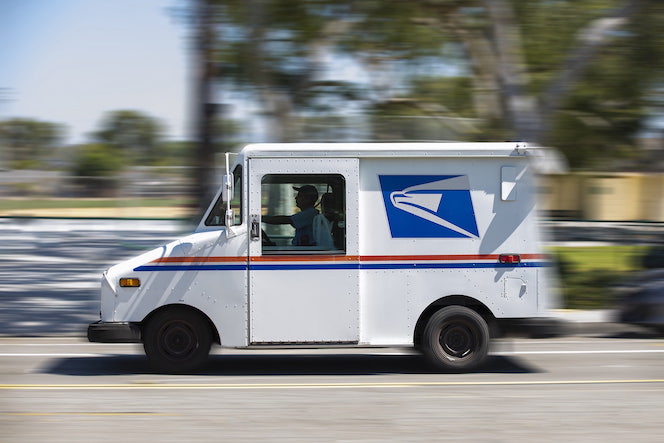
column 565, row 389
column 55, row 387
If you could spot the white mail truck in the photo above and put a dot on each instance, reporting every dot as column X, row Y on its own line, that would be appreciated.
column 432, row 246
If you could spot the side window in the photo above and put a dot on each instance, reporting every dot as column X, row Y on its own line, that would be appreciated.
column 304, row 213
column 217, row 215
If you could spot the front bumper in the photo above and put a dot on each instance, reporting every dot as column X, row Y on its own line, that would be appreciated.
column 102, row 332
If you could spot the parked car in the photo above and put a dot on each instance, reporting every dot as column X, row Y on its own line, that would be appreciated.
column 641, row 300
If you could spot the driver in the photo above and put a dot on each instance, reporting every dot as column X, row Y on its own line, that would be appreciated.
column 303, row 220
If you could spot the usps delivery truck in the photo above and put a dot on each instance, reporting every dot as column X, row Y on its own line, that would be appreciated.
column 432, row 246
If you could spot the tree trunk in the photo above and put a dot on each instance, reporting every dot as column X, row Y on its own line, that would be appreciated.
column 205, row 105
column 591, row 39
column 520, row 108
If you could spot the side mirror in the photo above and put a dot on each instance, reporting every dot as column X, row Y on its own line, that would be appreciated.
column 229, row 218
column 227, row 188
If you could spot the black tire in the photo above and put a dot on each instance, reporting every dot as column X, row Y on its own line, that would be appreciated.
column 177, row 341
column 456, row 339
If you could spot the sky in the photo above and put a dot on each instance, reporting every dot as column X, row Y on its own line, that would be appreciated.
column 72, row 61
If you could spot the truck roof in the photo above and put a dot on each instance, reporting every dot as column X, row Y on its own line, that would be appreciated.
column 398, row 149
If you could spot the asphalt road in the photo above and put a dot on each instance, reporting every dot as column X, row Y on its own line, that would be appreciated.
column 570, row 389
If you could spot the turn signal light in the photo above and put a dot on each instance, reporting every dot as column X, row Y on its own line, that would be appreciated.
column 130, row 282
column 511, row 259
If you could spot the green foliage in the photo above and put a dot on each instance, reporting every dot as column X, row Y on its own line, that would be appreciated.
column 97, row 160
column 435, row 62
column 442, row 59
column 135, row 134
column 96, row 169
column 226, row 134
column 27, row 143
column 398, row 30
column 587, row 274
column 608, row 108
column 551, row 30
column 176, row 153
column 601, row 119
column 288, row 46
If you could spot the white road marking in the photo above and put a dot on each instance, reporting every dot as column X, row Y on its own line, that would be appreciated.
column 406, row 384
column 559, row 352
column 607, row 351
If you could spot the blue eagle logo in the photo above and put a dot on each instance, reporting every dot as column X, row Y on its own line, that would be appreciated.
column 429, row 206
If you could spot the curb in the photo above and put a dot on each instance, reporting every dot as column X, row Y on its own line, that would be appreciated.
column 570, row 328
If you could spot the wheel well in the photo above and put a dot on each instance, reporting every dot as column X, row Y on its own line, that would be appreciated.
column 179, row 307
column 459, row 300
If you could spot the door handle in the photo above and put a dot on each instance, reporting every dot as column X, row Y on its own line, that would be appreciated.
column 255, row 227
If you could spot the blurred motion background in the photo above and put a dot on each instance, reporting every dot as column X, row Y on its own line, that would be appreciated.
column 123, row 109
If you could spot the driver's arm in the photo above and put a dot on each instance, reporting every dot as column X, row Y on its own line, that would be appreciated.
column 277, row 219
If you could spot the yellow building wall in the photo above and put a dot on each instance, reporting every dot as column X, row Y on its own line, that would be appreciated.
column 612, row 198
column 560, row 193
column 603, row 196
column 652, row 197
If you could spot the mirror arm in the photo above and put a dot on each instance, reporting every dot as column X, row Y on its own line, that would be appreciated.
column 227, row 193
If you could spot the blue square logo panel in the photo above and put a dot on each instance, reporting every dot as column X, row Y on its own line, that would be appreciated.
column 429, row 206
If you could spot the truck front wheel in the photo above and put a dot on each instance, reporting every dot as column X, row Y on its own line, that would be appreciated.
column 177, row 340
column 456, row 338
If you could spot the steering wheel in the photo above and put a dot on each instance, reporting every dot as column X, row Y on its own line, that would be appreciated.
column 265, row 239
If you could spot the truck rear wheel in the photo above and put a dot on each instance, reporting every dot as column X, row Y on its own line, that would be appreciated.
column 177, row 340
column 456, row 338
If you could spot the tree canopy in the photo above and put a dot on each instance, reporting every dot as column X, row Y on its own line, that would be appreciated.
column 27, row 142
column 135, row 134
column 583, row 76
column 561, row 73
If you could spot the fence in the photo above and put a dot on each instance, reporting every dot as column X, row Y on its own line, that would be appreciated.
column 136, row 182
